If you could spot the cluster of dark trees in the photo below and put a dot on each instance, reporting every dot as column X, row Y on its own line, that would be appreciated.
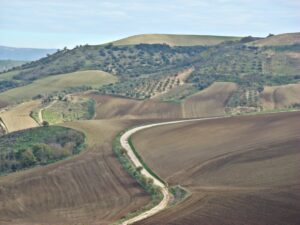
column 21, row 150
column 38, row 154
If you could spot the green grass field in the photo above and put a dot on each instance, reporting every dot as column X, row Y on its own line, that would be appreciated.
column 57, row 83
column 62, row 111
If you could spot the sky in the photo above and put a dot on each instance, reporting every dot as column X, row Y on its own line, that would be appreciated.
column 60, row 23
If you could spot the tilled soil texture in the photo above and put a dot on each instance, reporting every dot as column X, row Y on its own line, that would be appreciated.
column 239, row 170
column 208, row 102
column 91, row 188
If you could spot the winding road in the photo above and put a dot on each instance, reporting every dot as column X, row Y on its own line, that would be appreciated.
column 137, row 163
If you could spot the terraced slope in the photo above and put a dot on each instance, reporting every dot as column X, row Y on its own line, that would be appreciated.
column 91, row 188
column 174, row 39
column 240, row 170
column 278, row 97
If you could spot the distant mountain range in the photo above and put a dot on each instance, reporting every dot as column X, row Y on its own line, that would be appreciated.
column 23, row 54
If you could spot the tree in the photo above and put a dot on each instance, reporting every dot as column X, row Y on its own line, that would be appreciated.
column 42, row 152
column 45, row 123
column 27, row 158
column 123, row 151
column 139, row 169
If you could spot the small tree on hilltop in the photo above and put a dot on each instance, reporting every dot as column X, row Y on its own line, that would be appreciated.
column 139, row 169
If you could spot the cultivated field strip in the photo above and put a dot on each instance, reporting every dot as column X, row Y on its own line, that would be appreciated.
column 209, row 102
column 18, row 117
column 239, row 170
column 91, row 188
column 124, row 140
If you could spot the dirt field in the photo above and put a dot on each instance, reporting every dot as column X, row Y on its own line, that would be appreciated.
column 210, row 101
column 91, row 188
column 242, row 170
column 277, row 97
column 17, row 118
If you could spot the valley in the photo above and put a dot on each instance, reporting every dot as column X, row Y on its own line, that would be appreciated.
column 233, row 161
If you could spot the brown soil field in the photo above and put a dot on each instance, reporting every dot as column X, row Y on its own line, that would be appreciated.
column 91, row 188
column 18, row 117
column 119, row 107
column 276, row 97
column 210, row 101
column 239, row 170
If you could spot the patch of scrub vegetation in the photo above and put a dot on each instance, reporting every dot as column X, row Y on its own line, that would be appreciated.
column 35, row 115
column 38, row 146
column 69, row 108
column 179, row 194
column 9, row 64
column 146, row 183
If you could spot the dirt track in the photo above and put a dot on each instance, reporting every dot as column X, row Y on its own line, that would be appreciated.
column 241, row 170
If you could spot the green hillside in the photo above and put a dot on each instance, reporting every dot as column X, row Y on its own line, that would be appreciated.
column 139, row 67
column 9, row 64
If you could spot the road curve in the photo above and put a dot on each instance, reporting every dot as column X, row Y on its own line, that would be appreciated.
column 136, row 162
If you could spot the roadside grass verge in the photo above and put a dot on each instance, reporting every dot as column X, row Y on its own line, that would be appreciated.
column 143, row 163
column 179, row 194
column 35, row 116
column 146, row 183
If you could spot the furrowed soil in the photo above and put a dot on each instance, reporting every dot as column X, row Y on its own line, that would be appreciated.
column 277, row 97
column 239, row 170
column 209, row 102
column 91, row 188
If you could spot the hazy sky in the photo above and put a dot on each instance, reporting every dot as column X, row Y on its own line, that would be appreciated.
column 59, row 23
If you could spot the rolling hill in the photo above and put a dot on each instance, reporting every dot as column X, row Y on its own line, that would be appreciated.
column 51, row 84
column 224, row 160
column 208, row 102
column 239, row 170
column 91, row 188
column 174, row 39
column 143, row 65
column 280, row 39
column 279, row 97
